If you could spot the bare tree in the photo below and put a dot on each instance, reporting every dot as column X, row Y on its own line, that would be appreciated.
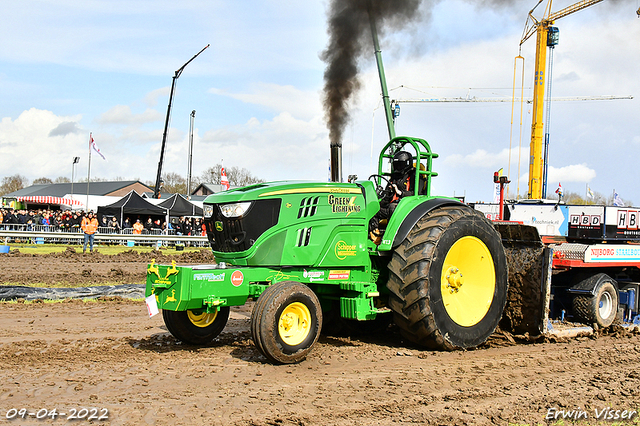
column 62, row 179
column 13, row 183
column 174, row 183
column 237, row 176
column 598, row 198
column 42, row 181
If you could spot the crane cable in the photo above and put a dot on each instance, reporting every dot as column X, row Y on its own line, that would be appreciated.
column 513, row 101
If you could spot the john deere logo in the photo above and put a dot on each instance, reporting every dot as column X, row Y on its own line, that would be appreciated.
column 343, row 250
column 218, row 226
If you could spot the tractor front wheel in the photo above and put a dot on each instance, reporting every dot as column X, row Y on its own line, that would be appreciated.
column 196, row 327
column 448, row 280
column 286, row 322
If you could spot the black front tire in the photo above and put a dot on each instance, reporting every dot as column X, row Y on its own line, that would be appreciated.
column 448, row 280
column 195, row 327
column 286, row 322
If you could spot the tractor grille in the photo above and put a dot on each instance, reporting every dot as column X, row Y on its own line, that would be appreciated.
column 302, row 237
column 236, row 234
column 308, row 207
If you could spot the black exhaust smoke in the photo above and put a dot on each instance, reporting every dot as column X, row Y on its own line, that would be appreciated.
column 349, row 40
column 349, row 36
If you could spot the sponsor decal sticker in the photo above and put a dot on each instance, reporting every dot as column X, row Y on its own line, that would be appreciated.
column 172, row 297
column 612, row 253
column 211, row 277
column 237, row 278
column 339, row 275
column 343, row 204
column 343, row 250
column 313, row 275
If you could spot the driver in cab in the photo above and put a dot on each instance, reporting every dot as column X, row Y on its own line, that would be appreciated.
column 401, row 184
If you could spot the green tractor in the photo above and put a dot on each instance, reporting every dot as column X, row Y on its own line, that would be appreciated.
column 308, row 253
column 331, row 254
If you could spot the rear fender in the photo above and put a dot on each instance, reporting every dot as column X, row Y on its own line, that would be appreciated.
column 592, row 284
column 407, row 214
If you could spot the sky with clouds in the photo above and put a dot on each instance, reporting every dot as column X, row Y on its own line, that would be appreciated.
column 71, row 67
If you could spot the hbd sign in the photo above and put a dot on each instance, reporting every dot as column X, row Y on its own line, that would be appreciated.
column 585, row 220
column 628, row 219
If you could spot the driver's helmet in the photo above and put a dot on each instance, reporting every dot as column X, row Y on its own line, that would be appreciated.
column 402, row 161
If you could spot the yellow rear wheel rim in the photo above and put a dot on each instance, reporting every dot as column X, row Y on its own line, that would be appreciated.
column 468, row 281
column 202, row 319
column 294, row 324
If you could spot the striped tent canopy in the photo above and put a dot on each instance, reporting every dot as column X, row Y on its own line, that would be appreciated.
column 41, row 199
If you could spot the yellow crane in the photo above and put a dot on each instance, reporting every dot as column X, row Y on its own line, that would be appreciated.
column 542, row 28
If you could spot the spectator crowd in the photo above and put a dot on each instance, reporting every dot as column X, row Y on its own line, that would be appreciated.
column 70, row 221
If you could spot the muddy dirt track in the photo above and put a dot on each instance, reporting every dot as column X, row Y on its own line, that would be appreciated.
column 110, row 356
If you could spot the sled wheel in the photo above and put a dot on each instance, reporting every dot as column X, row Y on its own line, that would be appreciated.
column 448, row 280
column 600, row 309
column 286, row 322
column 196, row 327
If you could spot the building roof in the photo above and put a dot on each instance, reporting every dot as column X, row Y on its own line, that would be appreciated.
column 95, row 188
column 209, row 188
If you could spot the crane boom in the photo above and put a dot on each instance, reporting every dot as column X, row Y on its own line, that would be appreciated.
column 541, row 28
column 496, row 99
column 573, row 8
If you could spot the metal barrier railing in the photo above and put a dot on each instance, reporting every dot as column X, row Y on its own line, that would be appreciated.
column 77, row 229
column 74, row 236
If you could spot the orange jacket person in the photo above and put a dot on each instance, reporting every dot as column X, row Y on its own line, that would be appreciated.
column 138, row 227
column 89, row 226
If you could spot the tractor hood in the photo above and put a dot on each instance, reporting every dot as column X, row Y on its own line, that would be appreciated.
column 290, row 222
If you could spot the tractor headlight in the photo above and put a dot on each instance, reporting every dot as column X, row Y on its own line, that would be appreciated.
column 208, row 210
column 235, row 209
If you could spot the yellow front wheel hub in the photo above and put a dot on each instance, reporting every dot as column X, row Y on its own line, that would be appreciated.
column 202, row 319
column 294, row 324
column 468, row 281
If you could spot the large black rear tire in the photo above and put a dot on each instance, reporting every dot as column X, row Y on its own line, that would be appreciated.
column 448, row 280
column 195, row 327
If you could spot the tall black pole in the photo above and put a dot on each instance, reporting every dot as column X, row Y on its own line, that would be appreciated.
column 193, row 117
column 156, row 190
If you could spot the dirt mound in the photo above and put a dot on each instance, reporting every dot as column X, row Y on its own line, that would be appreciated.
column 72, row 268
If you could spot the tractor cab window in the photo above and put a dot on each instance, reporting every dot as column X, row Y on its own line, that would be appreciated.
column 401, row 183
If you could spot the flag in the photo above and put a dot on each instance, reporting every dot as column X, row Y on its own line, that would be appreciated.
column 95, row 147
column 617, row 201
column 559, row 190
column 590, row 193
column 223, row 179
